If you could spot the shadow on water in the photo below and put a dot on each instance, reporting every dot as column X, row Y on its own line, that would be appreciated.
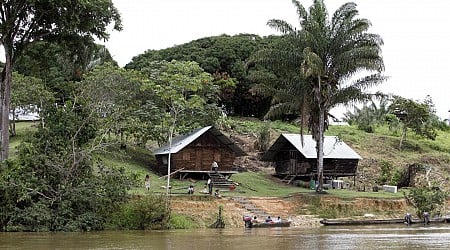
column 330, row 237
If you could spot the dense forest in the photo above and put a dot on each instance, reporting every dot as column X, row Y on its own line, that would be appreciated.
column 56, row 179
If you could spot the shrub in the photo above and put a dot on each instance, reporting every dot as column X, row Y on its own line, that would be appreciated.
column 146, row 212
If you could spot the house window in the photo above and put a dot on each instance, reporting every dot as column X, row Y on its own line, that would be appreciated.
column 164, row 160
column 186, row 156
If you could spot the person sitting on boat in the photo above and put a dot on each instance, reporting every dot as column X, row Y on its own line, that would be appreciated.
column 255, row 219
column 268, row 219
column 408, row 219
column 278, row 220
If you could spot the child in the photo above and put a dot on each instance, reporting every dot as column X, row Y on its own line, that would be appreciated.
column 147, row 182
column 191, row 189
column 217, row 194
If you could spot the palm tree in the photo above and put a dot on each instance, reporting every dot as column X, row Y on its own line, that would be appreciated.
column 320, row 66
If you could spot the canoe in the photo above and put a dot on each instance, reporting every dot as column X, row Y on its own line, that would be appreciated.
column 333, row 222
column 269, row 224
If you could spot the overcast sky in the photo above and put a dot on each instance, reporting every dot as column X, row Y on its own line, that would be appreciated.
column 416, row 34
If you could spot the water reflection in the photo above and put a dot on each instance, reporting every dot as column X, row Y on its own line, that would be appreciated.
column 354, row 237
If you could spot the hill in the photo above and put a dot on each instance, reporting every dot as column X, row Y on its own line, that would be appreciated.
column 382, row 160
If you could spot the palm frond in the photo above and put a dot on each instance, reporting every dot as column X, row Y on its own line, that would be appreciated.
column 281, row 26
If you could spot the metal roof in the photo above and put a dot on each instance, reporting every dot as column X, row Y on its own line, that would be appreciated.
column 181, row 141
column 333, row 147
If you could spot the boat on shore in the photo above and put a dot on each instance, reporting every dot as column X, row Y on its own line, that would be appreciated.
column 336, row 222
column 268, row 224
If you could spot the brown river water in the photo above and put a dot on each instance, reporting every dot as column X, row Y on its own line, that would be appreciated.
column 329, row 237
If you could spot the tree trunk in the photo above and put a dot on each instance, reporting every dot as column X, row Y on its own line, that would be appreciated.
column 5, row 104
column 403, row 137
column 319, row 135
column 319, row 142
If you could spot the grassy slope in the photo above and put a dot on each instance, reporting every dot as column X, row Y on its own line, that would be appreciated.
column 374, row 148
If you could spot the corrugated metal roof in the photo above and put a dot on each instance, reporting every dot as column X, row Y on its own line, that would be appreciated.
column 181, row 141
column 333, row 147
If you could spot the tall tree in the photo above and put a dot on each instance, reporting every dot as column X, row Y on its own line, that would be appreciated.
column 318, row 66
column 24, row 22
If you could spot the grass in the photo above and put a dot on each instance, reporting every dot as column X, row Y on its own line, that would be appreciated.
column 22, row 128
column 375, row 148
column 258, row 184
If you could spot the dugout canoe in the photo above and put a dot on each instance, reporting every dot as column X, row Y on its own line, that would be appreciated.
column 333, row 222
column 269, row 224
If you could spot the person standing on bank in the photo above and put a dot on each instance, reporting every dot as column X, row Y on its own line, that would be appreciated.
column 214, row 166
column 147, row 182
column 210, row 186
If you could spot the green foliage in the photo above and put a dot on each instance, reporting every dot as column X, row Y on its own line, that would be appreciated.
column 28, row 94
column 125, row 110
column 146, row 212
column 224, row 57
column 24, row 23
column 426, row 199
column 386, row 173
column 369, row 116
column 419, row 117
column 55, row 172
column 263, row 139
column 313, row 63
column 185, row 96
column 178, row 221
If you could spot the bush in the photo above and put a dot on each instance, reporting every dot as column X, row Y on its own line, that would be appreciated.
column 426, row 199
column 146, row 212
column 181, row 222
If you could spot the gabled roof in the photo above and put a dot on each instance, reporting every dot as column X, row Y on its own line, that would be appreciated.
column 181, row 141
column 333, row 148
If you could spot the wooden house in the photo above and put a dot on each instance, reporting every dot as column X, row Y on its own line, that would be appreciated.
column 291, row 157
column 196, row 151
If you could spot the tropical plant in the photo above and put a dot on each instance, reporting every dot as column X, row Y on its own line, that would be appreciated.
column 224, row 58
column 28, row 94
column 23, row 23
column 319, row 66
column 369, row 116
column 414, row 115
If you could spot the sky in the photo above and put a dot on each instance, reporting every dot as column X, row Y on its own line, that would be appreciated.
column 416, row 35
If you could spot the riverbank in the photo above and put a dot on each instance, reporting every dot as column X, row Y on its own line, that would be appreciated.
column 305, row 211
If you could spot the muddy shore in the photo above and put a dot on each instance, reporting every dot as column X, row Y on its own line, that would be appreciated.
column 204, row 210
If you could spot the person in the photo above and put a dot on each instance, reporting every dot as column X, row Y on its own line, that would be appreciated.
column 408, row 218
column 426, row 218
column 255, row 219
column 247, row 221
column 147, row 182
column 210, row 185
column 205, row 190
column 268, row 219
column 214, row 166
column 217, row 194
column 191, row 189
column 278, row 219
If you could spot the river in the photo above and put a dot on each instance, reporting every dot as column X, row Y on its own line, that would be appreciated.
column 330, row 237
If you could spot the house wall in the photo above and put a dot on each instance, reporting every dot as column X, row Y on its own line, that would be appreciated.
column 199, row 155
column 289, row 161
